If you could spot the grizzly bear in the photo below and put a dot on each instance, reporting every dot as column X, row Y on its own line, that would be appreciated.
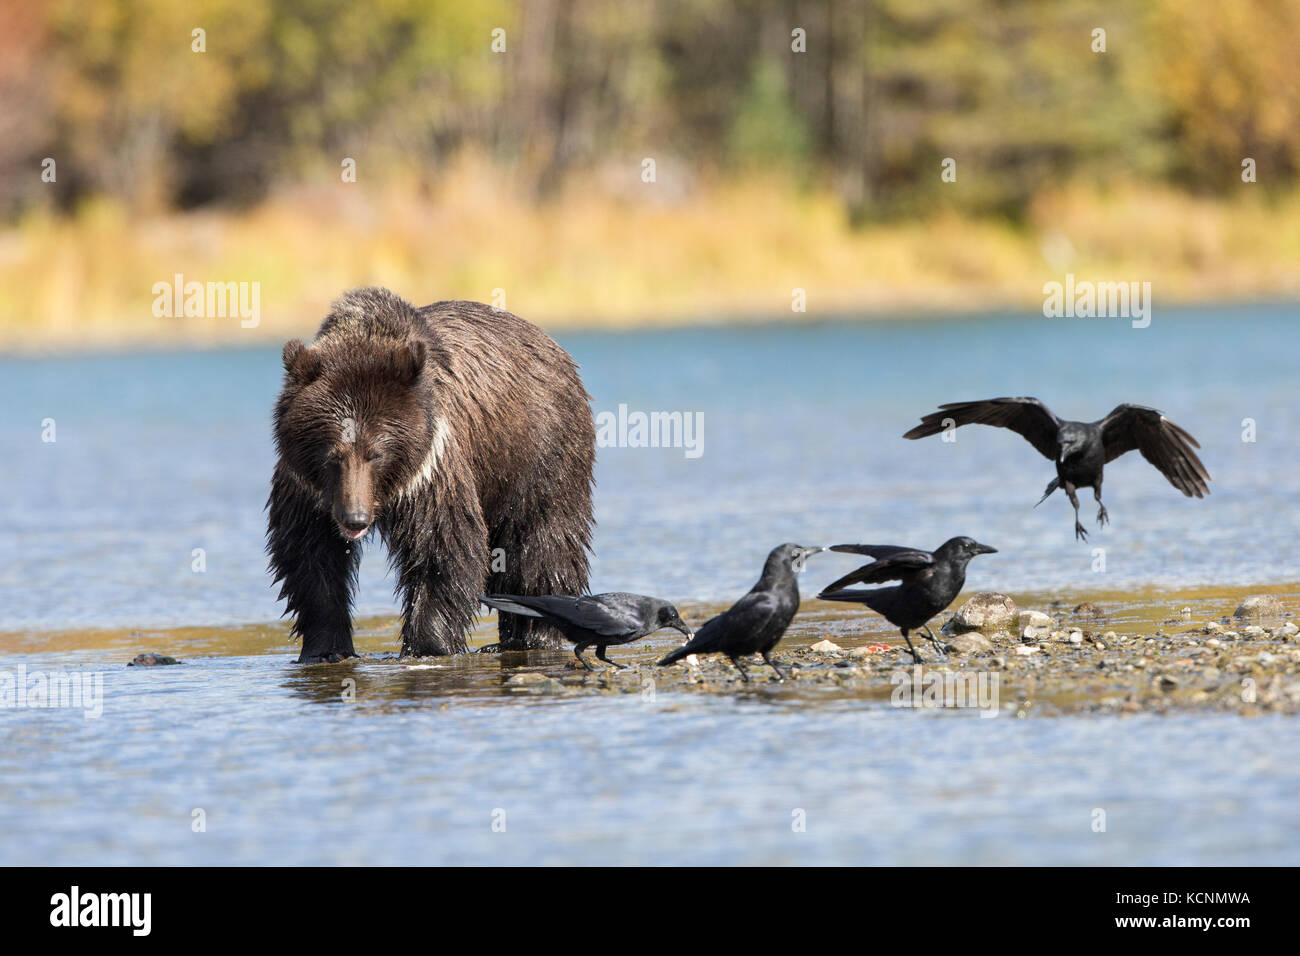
column 459, row 431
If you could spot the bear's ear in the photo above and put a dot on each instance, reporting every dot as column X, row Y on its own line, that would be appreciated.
column 302, row 364
column 408, row 361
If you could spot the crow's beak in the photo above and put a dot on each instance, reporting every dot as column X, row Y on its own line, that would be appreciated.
column 801, row 556
column 681, row 626
column 985, row 549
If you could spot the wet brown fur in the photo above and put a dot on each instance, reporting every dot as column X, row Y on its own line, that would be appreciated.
column 358, row 414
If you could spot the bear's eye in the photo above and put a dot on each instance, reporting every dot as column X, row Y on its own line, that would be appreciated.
column 373, row 455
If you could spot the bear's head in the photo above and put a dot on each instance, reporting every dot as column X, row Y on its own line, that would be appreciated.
column 352, row 425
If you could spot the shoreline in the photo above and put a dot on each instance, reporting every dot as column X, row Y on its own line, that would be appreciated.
column 734, row 250
column 1165, row 654
column 1117, row 654
column 78, row 345
column 1142, row 609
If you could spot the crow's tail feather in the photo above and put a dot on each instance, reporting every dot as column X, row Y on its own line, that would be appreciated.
column 702, row 643
column 503, row 602
column 676, row 655
column 1052, row 486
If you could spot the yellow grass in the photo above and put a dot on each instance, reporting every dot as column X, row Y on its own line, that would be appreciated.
column 612, row 254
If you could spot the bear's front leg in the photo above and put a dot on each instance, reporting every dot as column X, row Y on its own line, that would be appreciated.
column 318, row 569
column 439, row 548
column 435, row 619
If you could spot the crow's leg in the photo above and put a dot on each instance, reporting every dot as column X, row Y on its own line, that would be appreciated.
column 744, row 674
column 577, row 652
column 934, row 640
column 915, row 656
column 1079, row 531
column 1102, row 517
column 600, row 653
column 767, row 658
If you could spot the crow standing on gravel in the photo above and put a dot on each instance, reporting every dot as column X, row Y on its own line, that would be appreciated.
column 930, row 581
column 755, row 623
column 599, row 619
column 1080, row 449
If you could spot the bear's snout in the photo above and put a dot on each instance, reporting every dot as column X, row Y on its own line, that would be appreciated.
column 356, row 523
column 354, row 508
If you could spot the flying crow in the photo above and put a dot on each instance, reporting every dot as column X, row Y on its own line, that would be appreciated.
column 1080, row 449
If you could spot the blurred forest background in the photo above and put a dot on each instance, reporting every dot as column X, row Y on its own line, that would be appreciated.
column 795, row 143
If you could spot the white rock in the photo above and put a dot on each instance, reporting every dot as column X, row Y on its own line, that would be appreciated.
column 1034, row 633
column 1035, row 619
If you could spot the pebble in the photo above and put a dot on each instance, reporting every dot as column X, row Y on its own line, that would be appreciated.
column 528, row 677
column 1257, row 607
column 969, row 643
column 1035, row 619
column 1035, row 633
column 826, row 647
column 987, row 611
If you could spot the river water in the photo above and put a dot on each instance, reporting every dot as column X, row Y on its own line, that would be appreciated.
column 159, row 454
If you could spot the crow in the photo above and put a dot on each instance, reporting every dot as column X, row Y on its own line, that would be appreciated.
column 599, row 619
column 1080, row 449
column 755, row 623
column 930, row 581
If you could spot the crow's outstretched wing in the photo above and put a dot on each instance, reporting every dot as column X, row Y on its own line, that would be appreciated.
column 1027, row 417
column 895, row 564
column 876, row 551
column 1160, row 441
column 610, row 614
